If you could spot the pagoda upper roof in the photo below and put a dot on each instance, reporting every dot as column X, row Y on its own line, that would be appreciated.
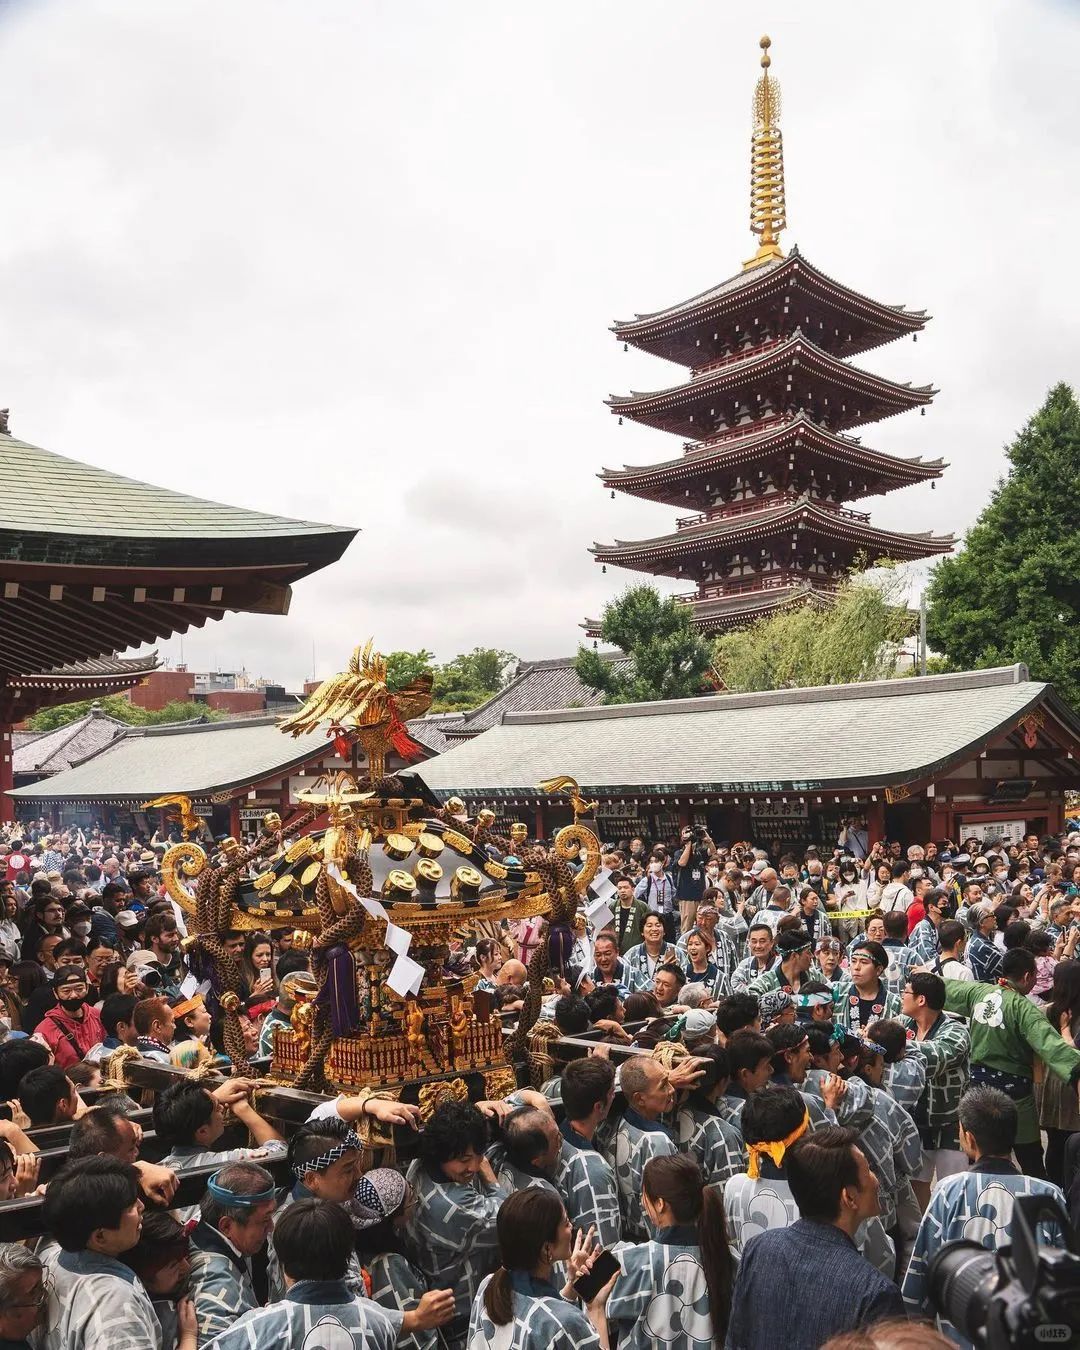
column 807, row 515
column 93, row 562
column 669, row 332
column 777, row 435
column 672, row 409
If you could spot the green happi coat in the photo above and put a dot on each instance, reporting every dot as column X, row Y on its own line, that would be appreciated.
column 1007, row 1033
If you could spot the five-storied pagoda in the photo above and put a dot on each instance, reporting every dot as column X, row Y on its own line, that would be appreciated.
column 769, row 408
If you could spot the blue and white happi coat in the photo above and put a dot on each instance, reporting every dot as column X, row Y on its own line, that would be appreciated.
column 902, row 956
column 707, row 1136
column 661, row 1298
column 906, row 1080
column 95, row 1302
column 855, row 1108
column 635, row 1141
column 924, row 942
column 453, row 1234
column 220, row 1284
column 398, row 1286
column 314, row 1315
column 977, row 1204
column 754, row 1205
column 586, row 1182
column 893, row 1149
column 187, row 1157
column 542, row 1320
column 640, row 967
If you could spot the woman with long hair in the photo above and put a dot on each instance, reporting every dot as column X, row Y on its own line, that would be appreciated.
column 257, row 964
column 519, row 1308
column 642, row 961
column 676, row 1287
column 1058, row 1113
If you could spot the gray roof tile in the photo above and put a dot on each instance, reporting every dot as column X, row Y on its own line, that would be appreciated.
column 801, row 739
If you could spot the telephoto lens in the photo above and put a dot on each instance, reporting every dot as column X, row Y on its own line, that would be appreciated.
column 962, row 1278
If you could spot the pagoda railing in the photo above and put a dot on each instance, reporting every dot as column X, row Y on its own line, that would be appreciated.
column 769, row 503
column 770, row 581
column 738, row 433
column 744, row 354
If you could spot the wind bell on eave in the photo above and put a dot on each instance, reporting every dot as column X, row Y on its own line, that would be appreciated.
column 767, row 208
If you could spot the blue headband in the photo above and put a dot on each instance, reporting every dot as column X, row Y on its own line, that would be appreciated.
column 233, row 1201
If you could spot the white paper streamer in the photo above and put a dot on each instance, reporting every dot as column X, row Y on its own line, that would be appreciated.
column 406, row 975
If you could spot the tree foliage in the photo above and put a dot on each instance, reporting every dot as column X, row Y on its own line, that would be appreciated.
column 1012, row 593
column 858, row 638
column 117, row 706
column 669, row 659
column 460, row 684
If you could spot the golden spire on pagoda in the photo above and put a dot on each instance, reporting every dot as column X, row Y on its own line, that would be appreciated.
column 767, row 210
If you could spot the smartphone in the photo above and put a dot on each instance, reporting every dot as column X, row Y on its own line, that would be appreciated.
column 604, row 1267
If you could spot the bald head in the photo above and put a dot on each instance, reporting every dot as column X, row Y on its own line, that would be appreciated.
column 511, row 972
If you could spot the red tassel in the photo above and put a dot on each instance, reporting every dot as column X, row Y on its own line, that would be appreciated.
column 403, row 744
column 342, row 742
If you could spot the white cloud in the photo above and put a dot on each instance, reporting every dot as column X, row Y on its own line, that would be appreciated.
column 356, row 261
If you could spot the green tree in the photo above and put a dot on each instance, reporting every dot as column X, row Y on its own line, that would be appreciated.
column 857, row 638
column 404, row 667
column 117, row 706
column 1012, row 593
column 668, row 658
column 470, row 678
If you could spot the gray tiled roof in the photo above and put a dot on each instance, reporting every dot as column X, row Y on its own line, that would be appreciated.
column 83, row 498
column 54, row 751
column 150, row 761
column 865, row 735
column 430, row 731
column 539, row 686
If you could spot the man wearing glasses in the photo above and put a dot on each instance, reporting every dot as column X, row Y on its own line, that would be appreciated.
column 23, row 1294
column 74, row 1026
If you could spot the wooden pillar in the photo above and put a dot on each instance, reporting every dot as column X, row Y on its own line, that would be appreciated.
column 875, row 821
column 539, row 820
column 234, row 819
column 7, row 773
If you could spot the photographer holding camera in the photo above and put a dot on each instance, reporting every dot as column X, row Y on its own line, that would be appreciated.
column 695, row 846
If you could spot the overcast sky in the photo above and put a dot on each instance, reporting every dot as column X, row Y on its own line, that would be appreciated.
column 355, row 261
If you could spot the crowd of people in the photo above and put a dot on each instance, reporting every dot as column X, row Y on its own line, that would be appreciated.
column 785, row 1079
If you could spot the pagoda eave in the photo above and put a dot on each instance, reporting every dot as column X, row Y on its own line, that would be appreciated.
column 850, row 395
column 736, row 611
column 25, row 694
column 790, row 285
column 797, row 435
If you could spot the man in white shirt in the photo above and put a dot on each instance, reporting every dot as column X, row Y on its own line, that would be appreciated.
column 898, row 894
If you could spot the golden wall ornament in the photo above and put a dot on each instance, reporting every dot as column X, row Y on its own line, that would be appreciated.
column 434, row 1094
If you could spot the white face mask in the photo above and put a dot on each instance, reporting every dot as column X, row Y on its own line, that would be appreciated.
column 81, row 928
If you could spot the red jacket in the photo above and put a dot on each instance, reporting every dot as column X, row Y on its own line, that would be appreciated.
column 59, row 1030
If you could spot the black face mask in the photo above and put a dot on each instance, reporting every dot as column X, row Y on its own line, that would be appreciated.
column 71, row 1005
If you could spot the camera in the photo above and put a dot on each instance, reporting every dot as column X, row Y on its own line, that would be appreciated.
column 1027, row 1294
column 152, row 976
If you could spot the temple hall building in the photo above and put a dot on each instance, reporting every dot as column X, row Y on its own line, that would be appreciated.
column 103, row 564
column 771, row 415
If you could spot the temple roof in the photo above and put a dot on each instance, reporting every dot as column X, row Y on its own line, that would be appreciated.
column 672, row 409
column 147, row 762
column 805, row 515
column 743, row 450
column 795, row 740
column 718, row 614
column 118, row 672
column 552, row 683
column 98, row 563
column 668, row 332
column 51, row 752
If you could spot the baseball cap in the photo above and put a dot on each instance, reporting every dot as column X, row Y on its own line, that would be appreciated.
column 698, row 1023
